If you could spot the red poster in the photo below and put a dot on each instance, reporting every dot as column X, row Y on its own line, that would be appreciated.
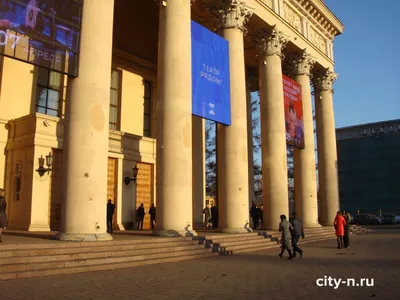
column 293, row 113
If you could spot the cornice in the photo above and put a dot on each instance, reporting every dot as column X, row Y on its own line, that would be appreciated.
column 320, row 16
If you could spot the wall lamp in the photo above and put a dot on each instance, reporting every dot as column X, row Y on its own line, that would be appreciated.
column 49, row 162
column 127, row 180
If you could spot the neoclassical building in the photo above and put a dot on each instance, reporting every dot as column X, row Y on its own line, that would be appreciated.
column 98, row 129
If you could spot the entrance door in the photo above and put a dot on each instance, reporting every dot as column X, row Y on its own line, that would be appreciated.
column 55, row 190
column 112, row 186
column 144, row 190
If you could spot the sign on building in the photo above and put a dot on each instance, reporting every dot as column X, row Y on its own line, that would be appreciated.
column 45, row 33
column 293, row 113
column 210, row 76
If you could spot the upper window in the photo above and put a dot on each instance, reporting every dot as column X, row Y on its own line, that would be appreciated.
column 49, row 92
column 147, row 108
column 115, row 96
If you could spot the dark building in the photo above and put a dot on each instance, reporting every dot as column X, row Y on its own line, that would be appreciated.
column 369, row 167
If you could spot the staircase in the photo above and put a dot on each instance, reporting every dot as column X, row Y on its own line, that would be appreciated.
column 35, row 260
column 226, row 244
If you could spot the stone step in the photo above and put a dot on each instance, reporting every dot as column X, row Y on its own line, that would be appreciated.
column 265, row 244
column 61, row 249
column 225, row 235
column 243, row 239
column 236, row 243
column 110, row 252
column 153, row 240
column 257, row 248
column 98, row 261
column 99, row 267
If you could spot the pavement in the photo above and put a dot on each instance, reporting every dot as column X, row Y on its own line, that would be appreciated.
column 254, row 275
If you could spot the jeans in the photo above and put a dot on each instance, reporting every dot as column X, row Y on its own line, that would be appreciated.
column 109, row 224
column 295, row 240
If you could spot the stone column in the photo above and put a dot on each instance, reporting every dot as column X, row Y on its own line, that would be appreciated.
column 273, row 133
column 199, row 172
column 326, row 142
column 174, row 120
column 86, row 130
column 305, row 180
column 233, row 175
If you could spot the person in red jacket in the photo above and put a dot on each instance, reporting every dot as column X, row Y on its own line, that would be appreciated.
column 339, row 224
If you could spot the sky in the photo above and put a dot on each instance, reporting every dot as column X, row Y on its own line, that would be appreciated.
column 367, row 60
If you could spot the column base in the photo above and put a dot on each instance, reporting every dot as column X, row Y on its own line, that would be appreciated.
column 175, row 233
column 83, row 237
column 39, row 227
column 237, row 230
column 315, row 225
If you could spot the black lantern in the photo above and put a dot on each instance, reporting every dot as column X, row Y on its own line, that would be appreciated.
column 127, row 180
column 49, row 162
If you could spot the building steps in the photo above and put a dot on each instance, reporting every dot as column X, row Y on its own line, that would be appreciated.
column 35, row 260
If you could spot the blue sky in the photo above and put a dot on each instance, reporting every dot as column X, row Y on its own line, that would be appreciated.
column 367, row 61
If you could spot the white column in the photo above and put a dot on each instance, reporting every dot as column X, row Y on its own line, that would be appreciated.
column 305, row 180
column 86, row 129
column 326, row 142
column 233, row 176
column 273, row 133
column 174, row 120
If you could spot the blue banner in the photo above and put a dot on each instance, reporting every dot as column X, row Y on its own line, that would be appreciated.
column 210, row 76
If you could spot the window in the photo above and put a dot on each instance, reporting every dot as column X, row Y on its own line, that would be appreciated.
column 49, row 92
column 115, row 102
column 147, row 108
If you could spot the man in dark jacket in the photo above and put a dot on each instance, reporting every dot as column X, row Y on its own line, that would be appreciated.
column 214, row 216
column 254, row 215
column 152, row 213
column 297, row 232
column 140, row 217
column 110, row 214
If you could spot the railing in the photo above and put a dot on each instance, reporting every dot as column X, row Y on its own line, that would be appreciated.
column 377, row 213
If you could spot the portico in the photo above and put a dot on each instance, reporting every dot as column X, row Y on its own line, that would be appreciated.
column 262, row 36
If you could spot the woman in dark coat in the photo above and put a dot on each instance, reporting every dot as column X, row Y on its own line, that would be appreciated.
column 3, row 216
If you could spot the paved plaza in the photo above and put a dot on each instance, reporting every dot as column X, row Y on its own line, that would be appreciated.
column 257, row 275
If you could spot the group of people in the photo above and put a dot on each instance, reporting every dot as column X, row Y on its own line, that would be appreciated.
column 292, row 231
column 140, row 213
column 210, row 216
column 342, row 228
column 257, row 215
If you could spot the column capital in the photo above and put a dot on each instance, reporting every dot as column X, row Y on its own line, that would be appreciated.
column 232, row 14
column 323, row 80
column 301, row 63
column 270, row 42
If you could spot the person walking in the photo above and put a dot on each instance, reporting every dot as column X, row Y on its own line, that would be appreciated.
column 254, row 214
column 285, row 227
column 346, row 237
column 152, row 213
column 297, row 232
column 339, row 224
column 207, row 215
column 140, row 217
column 214, row 216
column 110, row 214
column 3, row 216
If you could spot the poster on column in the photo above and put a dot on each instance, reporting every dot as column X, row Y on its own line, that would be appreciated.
column 210, row 75
column 293, row 113
column 45, row 33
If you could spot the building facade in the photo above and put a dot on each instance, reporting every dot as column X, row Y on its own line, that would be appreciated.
column 131, row 105
column 369, row 163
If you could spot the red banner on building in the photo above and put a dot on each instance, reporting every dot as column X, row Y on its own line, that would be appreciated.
column 293, row 113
